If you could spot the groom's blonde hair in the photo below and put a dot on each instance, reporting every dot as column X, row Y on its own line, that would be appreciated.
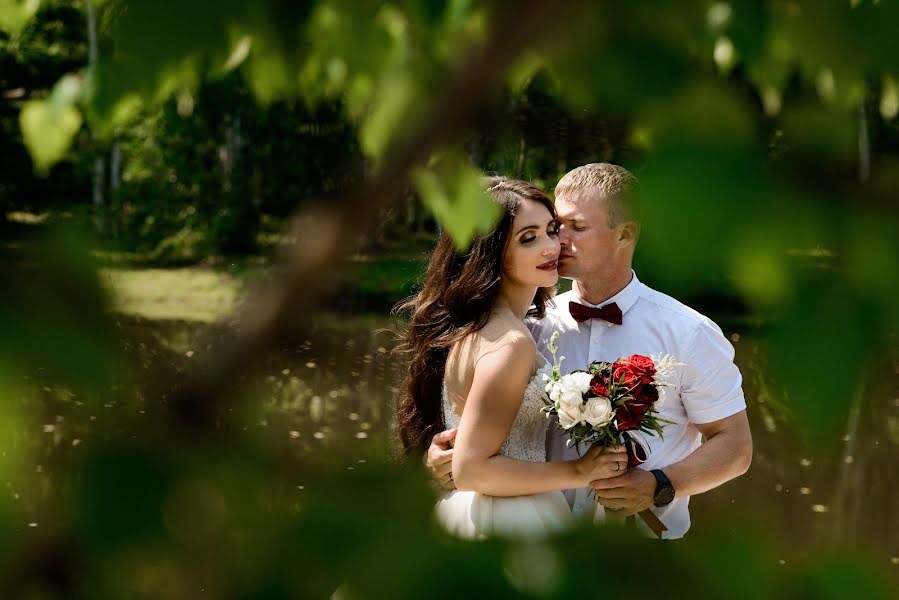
column 615, row 184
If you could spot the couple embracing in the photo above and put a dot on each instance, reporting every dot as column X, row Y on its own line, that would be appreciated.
column 479, row 329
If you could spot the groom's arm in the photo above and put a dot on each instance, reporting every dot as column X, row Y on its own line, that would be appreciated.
column 726, row 454
column 712, row 396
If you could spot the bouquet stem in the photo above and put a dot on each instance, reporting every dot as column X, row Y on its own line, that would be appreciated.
column 649, row 517
column 652, row 521
column 636, row 454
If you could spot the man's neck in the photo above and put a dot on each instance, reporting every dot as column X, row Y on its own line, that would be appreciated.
column 595, row 291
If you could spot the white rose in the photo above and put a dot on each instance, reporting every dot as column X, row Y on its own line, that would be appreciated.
column 598, row 411
column 568, row 397
column 579, row 381
column 573, row 387
column 570, row 415
column 554, row 390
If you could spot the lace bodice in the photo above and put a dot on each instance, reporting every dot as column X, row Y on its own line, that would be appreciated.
column 527, row 438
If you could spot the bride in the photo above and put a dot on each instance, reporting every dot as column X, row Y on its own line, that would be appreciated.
column 473, row 365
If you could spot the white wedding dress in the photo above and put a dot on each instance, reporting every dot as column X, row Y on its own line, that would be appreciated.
column 472, row 515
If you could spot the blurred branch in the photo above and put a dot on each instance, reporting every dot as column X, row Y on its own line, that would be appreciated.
column 327, row 232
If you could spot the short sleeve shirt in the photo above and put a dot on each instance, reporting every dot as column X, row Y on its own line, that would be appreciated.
column 707, row 386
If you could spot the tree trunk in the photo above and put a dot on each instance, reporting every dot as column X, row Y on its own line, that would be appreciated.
column 237, row 221
column 100, row 161
column 115, row 179
column 864, row 144
column 99, row 217
column 522, row 152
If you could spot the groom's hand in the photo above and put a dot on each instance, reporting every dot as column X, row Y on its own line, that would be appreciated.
column 628, row 494
column 439, row 459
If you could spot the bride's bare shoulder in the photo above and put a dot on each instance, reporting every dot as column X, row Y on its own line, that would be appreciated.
column 505, row 331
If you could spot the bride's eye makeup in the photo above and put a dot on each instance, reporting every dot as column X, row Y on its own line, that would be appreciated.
column 527, row 234
column 551, row 230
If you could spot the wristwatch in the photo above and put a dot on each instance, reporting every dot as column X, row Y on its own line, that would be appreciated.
column 664, row 489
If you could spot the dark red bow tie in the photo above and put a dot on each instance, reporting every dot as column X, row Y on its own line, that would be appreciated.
column 609, row 312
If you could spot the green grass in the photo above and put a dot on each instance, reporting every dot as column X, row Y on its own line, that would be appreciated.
column 208, row 294
column 187, row 294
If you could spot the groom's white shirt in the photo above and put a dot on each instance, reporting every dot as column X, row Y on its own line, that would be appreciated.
column 706, row 388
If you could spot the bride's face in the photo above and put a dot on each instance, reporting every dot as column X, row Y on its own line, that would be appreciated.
column 532, row 253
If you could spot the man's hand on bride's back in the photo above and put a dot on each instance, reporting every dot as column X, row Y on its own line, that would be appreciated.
column 601, row 463
column 439, row 459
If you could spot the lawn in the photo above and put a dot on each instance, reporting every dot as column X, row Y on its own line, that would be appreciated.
column 184, row 294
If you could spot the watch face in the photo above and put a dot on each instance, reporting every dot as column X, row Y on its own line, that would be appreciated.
column 665, row 495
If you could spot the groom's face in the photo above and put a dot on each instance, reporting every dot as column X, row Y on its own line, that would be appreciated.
column 588, row 243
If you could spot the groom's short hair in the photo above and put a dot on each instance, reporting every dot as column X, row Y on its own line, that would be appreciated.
column 615, row 184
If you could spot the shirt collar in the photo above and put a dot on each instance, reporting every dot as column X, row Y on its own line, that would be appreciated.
column 625, row 299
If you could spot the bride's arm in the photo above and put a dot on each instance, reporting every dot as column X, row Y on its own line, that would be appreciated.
column 496, row 394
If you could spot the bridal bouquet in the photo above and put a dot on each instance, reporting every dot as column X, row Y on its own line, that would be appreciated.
column 605, row 403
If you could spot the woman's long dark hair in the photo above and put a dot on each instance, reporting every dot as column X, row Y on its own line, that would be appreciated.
column 459, row 292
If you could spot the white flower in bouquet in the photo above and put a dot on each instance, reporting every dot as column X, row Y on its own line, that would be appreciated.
column 545, row 374
column 634, row 385
column 573, row 387
column 666, row 366
column 570, row 415
column 598, row 411
column 554, row 391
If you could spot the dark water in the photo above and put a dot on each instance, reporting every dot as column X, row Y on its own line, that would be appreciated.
column 839, row 493
column 330, row 395
column 339, row 393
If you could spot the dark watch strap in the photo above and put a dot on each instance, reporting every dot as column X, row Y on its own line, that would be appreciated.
column 664, row 492
column 661, row 478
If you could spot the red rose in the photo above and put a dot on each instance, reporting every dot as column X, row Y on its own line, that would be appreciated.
column 627, row 380
column 620, row 369
column 649, row 394
column 642, row 367
column 599, row 386
column 630, row 414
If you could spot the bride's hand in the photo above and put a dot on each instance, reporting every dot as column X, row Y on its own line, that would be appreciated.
column 438, row 460
column 601, row 463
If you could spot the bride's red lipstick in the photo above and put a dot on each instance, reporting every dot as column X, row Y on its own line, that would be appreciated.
column 551, row 265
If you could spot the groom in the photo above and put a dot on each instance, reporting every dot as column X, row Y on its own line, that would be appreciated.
column 609, row 313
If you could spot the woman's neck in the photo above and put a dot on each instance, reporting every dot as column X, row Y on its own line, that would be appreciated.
column 517, row 299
